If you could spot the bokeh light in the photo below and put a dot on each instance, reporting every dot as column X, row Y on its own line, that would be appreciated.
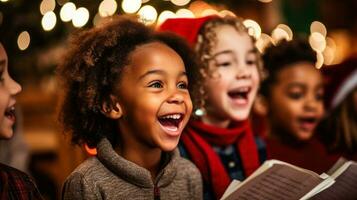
column 287, row 29
column 330, row 51
column 67, row 11
column 317, row 41
column 319, row 27
column 148, row 14
column 253, row 28
column 131, row 6
column 279, row 34
column 224, row 13
column 320, row 60
column 107, row 8
column 47, row 6
column 180, row 2
column 263, row 41
column 81, row 17
column 329, row 55
column 184, row 13
column 23, row 40
column 48, row 21
column 165, row 15
column 208, row 12
column 197, row 7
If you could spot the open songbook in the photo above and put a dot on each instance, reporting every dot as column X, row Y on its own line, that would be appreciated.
column 280, row 180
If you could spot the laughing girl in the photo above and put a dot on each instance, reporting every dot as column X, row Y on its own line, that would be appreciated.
column 126, row 93
column 219, row 139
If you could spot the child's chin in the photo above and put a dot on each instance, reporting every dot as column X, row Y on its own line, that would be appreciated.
column 169, row 147
column 240, row 115
column 304, row 136
column 6, row 134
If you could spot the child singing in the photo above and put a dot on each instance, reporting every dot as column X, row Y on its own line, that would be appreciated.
column 14, row 184
column 219, row 139
column 126, row 93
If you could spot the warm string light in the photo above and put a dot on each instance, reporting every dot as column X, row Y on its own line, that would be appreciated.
column 148, row 14
column 253, row 28
column 180, row 2
column 281, row 32
column 166, row 14
column 263, row 41
column 48, row 21
column 107, row 8
column 23, row 40
column 131, row 6
column 47, row 6
column 184, row 13
column 324, row 46
column 67, row 11
column 81, row 17
column 287, row 30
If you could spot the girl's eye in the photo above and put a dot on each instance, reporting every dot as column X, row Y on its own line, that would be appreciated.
column 156, row 84
column 224, row 64
column 251, row 62
column 295, row 95
column 182, row 85
column 319, row 96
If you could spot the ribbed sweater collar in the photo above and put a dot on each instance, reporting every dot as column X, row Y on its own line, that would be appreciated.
column 134, row 173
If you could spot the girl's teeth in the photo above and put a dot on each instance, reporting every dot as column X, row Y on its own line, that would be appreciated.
column 243, row 89
column 175, row 116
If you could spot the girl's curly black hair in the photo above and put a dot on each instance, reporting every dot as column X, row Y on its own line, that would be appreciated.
column 282, row 55
column 93, row 65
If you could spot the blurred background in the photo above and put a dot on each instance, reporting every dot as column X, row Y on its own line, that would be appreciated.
column 34, row 34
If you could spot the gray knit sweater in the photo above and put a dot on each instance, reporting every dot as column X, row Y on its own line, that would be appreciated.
column 110, row 176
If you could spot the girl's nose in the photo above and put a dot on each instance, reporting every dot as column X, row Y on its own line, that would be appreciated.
column 176, row 97
column 242, row 72
column 14, row 87
column 311, row 104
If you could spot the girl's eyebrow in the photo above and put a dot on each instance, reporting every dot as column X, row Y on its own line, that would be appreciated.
column 222, row 52
column 158, row 71
column 253, row 50
column 296, row 84
column 154, row 71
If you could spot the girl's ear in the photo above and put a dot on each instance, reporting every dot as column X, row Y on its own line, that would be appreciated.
column 112, row 110
column 260, row 105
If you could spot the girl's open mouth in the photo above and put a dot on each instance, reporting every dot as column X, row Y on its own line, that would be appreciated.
column 10, row 113
column 240, row 95
column 171, row 123
column 308, row 123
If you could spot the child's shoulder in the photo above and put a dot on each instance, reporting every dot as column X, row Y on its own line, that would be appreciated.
column 90, row 169
column 14, row 175
column 20, row 185
column 187, row 167
column 5, row 169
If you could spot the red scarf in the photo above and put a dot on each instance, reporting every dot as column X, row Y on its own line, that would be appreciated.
column 199, row 137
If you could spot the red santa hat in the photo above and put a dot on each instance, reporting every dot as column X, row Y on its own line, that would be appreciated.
column 185, row 27
column 340, row 80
